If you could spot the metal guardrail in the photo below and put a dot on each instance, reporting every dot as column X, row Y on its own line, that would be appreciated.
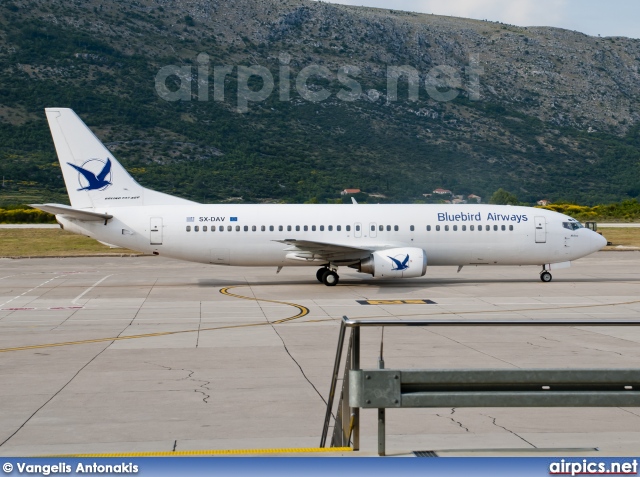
column 387, row 388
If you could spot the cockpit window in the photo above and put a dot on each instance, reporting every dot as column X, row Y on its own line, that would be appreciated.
column 572, row 225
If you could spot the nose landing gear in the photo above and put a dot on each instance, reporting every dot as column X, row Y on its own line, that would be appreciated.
column 327, row 276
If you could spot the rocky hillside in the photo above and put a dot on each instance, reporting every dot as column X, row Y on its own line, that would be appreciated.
column 554, row 114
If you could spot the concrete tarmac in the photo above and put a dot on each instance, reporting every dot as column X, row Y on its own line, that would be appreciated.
column 141, row 354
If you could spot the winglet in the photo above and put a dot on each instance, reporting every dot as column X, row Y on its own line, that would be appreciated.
column 354, row 201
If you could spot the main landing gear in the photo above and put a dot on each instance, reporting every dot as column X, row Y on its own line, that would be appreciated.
column 327, row 276
column 545, row 276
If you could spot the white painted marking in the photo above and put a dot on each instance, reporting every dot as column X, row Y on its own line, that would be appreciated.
column 89, row 289
column 79, row 307
column 34, row 288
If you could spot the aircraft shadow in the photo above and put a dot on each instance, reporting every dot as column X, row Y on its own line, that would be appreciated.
column 407, row 283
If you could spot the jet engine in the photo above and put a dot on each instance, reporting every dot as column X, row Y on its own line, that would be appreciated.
column 405, row 262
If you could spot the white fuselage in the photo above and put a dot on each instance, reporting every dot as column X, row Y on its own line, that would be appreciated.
column 248, row 235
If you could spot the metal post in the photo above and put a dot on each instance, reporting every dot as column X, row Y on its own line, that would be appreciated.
column 381, row 415
column 334, row 381
column 343, row 422
column 381, row 432
column 355, row 411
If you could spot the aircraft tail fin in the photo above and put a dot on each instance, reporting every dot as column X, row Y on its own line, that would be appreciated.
column 93, row 176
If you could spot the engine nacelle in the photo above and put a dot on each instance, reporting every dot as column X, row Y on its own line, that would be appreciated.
column 405, row 262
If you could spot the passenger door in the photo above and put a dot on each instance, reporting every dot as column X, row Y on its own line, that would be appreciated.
column 357, row 230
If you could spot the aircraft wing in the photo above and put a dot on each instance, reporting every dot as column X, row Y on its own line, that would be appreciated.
column 80, row 214
column 311, row 250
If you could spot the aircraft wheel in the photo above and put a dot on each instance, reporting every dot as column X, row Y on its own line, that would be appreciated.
column 545, row 277
column 320, row 273
column 330, row 278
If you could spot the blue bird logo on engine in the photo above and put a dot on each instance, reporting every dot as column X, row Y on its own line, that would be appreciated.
column 94, row 174
column 400, row 265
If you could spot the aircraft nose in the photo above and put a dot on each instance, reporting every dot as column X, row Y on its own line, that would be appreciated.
column 598, row 241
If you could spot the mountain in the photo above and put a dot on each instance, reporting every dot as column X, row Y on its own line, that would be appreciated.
column 552, row 114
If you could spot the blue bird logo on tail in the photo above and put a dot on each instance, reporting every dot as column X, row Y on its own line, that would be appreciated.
column 400, row 265
column 91, row 180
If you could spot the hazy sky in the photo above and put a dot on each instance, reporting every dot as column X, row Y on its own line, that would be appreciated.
column 593, row 17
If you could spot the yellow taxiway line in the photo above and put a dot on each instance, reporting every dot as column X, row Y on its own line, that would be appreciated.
column 190, row 453
column 302, row 311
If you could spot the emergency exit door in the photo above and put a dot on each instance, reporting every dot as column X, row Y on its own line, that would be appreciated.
column 541, row 229
column 155, row 233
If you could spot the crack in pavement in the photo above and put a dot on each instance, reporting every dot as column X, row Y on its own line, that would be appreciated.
column 189, row 377
column 508, row 430
column 538, row 346
column 602, row 350
column 453, row 411
column 549, row 339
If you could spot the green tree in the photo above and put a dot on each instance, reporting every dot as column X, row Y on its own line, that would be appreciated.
column 502, row 197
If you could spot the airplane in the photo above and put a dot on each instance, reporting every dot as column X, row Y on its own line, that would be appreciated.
column 383, row 240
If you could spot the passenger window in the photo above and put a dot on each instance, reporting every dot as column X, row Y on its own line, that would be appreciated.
column 339, row 228
column 437, row 228
column 488, row 228
column 313, row 228
column 253, row 228
column 229, row 228
column 472, row 228
column 388, row 228
column 288, row 228
column 196, row 228
column 373, row 228
column 306, row 228
column 446, row 228
column 263, row 228
column 357, row 228
column 246, row 228
column 237, row 228
column 322, row 228
column 297, row 228
column 495, row 228
column 412, row 228
column 330, row 228
column 396, row 228
column 213, row 228
column 188, row 228
column 280, row 228
column 464, row 228
column 271, row 228
column 504, row 227
column 479, row 228
column 204, row 228
column 348, row 228
column 381, row 228
column 511, row 228
column 428, row 228
column 455, row 228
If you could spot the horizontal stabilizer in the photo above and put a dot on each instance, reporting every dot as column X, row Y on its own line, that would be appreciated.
column 61, row 209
